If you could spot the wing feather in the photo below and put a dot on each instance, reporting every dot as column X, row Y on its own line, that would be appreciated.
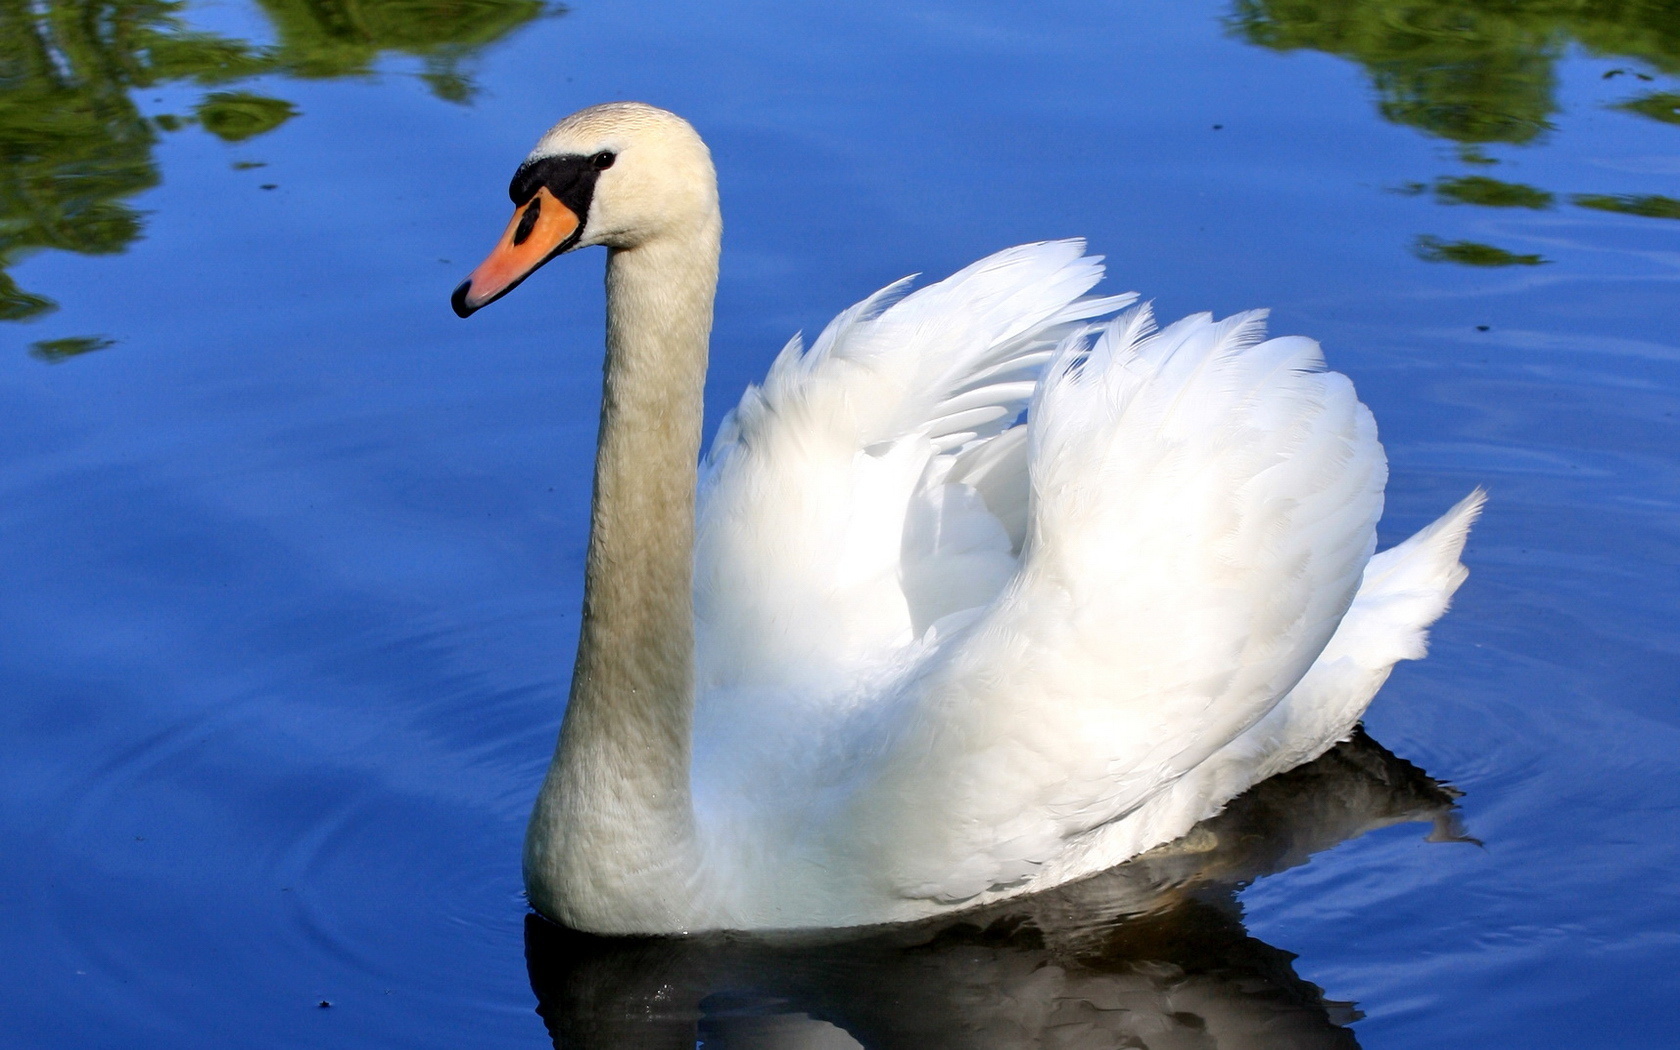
column 805, row 496
column 982, row 639
column 1202, row 504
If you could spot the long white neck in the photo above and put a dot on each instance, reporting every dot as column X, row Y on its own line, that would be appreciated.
column 610, row 845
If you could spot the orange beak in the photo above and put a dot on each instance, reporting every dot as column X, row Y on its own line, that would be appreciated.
column 541, row 229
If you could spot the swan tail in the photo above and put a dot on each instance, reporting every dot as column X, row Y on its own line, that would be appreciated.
column 1407, row 587
column 1403, row 591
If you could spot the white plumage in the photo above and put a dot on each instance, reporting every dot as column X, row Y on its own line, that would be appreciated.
column 983, row 656
column 988, row 593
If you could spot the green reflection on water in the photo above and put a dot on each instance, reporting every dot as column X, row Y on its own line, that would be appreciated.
column 1471, row 71
column 74, row 145
column 1659, row 105
column 1470, row 253
column 1651, row 206
column 1490, row 193
column 1478, row 73
column 234, row 116
column 56, row 350
column 336, row 38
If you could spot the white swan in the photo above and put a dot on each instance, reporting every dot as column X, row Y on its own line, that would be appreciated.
column 891, row 652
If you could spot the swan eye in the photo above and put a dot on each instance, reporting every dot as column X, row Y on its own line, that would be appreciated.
column 602, row 160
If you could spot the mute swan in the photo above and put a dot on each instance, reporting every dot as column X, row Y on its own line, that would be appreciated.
column 1042, row 971
column 888, row 652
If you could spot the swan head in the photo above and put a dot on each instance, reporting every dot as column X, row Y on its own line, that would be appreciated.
column 623, row 174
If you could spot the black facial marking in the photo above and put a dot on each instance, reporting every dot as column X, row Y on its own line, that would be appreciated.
column 570, row 178
column 528, row 221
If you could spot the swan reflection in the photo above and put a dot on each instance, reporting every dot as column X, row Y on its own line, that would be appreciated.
column 1152, row 954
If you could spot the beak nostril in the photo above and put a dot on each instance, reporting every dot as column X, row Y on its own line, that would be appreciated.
column 528, row 221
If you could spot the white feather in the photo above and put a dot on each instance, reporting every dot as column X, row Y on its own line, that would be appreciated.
column 944, row 657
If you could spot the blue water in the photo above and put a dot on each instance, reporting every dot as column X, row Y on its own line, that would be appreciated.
column 291, row 569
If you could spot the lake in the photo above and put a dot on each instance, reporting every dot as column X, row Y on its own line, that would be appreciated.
column 293, row 557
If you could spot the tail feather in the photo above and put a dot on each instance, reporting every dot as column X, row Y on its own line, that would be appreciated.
column 1405, row 589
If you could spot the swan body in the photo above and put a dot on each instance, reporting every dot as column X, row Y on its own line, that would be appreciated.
column 992, row 588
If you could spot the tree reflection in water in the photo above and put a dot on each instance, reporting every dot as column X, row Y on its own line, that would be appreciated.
column 1465, row 70
column 1478, row 74
column 74, row 145
column 1151, row 954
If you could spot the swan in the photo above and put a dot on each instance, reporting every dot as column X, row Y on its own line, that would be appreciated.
column 992, row 588
column 1160, row 937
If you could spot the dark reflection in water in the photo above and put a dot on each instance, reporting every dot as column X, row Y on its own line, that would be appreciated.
column 1479, row 74
column 74, row 143
column 1151, row 954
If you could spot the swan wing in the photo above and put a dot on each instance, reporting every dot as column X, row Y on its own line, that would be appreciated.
column 1203, row 503
column 802, row 584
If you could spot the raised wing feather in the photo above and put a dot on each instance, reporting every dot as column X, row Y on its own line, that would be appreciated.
column 1203, row 504
column 802, row 585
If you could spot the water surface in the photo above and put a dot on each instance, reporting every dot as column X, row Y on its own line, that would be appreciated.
column 292, row 555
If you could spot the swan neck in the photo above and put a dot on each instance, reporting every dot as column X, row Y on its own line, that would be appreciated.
column 611, row 842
